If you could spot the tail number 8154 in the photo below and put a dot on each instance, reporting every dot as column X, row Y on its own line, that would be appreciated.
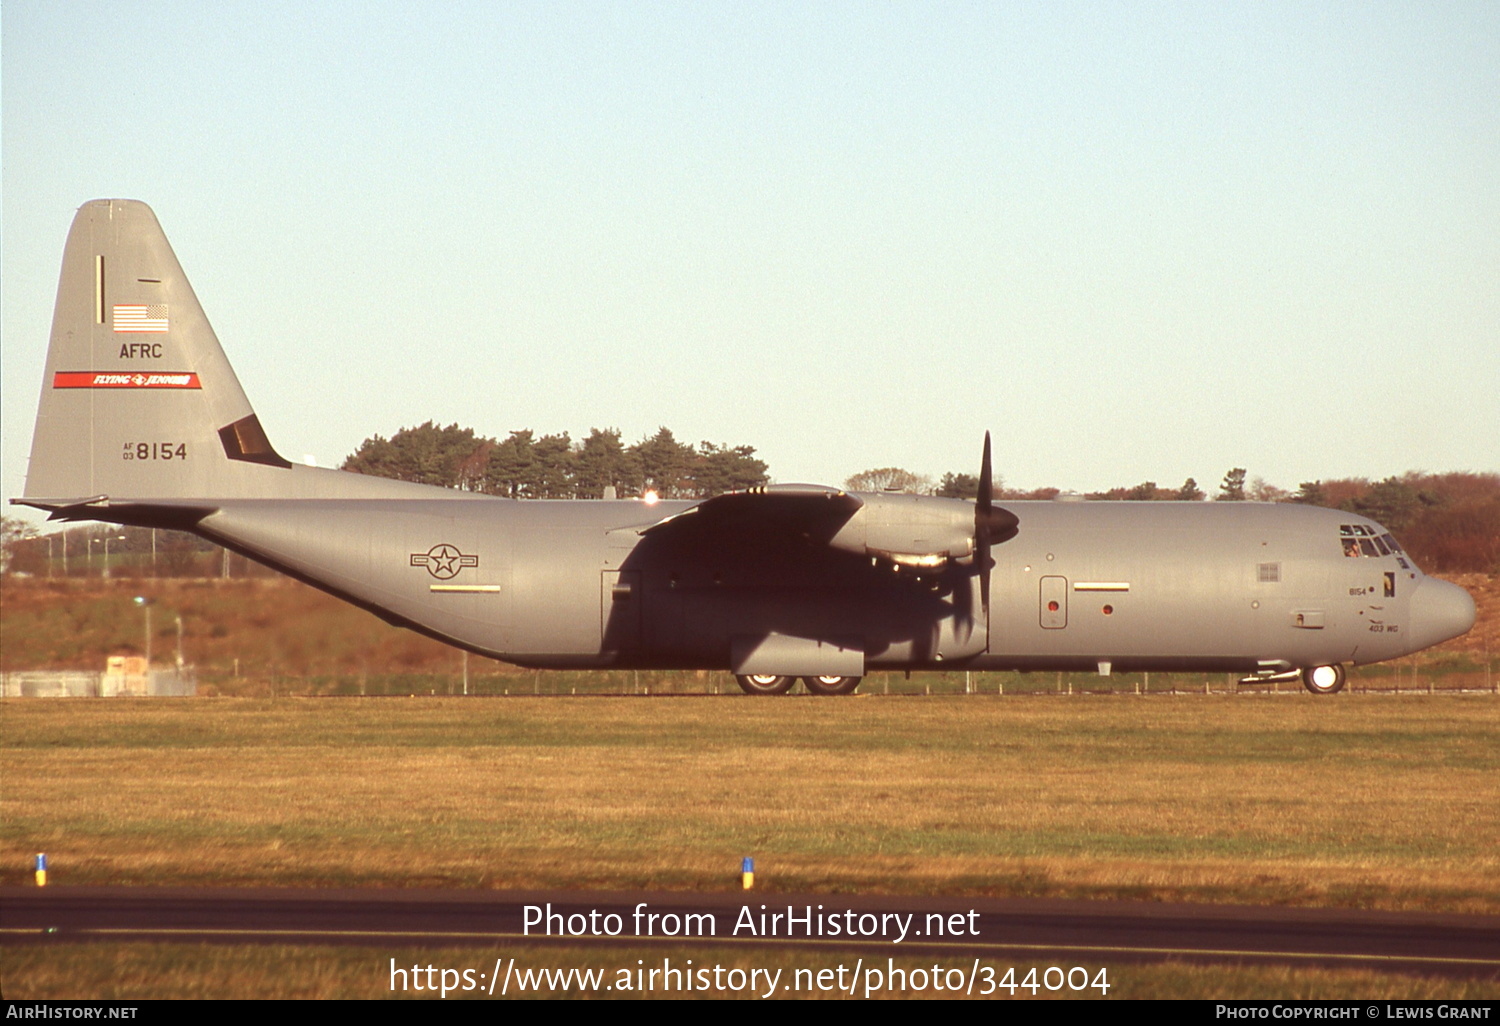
column 155, row 451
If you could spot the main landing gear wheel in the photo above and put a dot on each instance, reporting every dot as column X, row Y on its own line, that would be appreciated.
column 765, row 684
column 1324, row 680
column 831, row 685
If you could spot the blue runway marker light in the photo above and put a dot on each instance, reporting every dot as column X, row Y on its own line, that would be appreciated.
column 41, row 869
column 747, row 873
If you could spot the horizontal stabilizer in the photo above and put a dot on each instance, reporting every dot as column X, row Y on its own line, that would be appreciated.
column 173, row 515
column 65, row 509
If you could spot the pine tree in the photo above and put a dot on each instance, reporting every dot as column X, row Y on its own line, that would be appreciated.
column 1233, row 488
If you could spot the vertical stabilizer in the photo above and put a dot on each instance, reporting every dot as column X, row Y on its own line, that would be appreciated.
column 139, row 402
column 138, row 399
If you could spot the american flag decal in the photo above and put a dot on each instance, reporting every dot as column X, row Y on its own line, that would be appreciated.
column 138, row 317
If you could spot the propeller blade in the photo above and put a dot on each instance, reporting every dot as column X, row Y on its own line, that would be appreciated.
column 983, row 506
column 991, row 525
column 986, row 482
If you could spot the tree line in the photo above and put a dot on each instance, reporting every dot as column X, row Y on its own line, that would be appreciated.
column 524, row 466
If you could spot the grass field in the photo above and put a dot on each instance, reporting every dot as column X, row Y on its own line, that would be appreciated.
column 1377, row 801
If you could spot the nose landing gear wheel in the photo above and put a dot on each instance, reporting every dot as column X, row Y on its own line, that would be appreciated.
column 765, row 684
column 831, row 685
column 1324, row 680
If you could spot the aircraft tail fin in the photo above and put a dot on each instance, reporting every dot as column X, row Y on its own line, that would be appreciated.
column 138, row 398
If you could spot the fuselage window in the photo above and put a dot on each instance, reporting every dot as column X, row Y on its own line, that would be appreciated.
column 1367, row 547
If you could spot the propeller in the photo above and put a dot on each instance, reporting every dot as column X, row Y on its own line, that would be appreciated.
column 991, row 526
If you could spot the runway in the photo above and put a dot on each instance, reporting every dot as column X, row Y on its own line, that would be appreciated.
column 1086, row 932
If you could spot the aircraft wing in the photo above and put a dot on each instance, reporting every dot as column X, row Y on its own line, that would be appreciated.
column 921, row 532
column 811, row 512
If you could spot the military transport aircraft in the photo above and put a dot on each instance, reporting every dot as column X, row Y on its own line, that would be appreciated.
column 143, row 422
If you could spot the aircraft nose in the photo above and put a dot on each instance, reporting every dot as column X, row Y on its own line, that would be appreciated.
column 1439, row 611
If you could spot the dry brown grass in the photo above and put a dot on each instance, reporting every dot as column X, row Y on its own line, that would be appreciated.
column 271, row 626
column 1373, row 801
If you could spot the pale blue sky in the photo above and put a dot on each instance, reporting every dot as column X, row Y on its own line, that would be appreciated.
column 1135, row 241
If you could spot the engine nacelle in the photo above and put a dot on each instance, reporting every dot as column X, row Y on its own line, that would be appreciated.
column 919, row 531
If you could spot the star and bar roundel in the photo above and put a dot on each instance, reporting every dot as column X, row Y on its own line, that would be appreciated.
column 443, row 561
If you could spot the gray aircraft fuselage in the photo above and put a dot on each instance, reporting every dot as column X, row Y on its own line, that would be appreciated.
column 1235, row 587
column 142, row 421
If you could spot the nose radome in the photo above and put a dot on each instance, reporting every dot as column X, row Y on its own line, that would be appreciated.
column 1439, row 611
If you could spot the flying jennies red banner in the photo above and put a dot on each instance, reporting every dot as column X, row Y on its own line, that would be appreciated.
column 101, row 379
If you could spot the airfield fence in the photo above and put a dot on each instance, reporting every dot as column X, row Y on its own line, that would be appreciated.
column 77, row 684
column 1433, row 676
column 1443, row 672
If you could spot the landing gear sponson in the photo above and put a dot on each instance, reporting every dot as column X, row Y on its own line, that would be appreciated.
column 775, row 684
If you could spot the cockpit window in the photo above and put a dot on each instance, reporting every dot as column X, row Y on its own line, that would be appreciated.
column 1360, row 540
